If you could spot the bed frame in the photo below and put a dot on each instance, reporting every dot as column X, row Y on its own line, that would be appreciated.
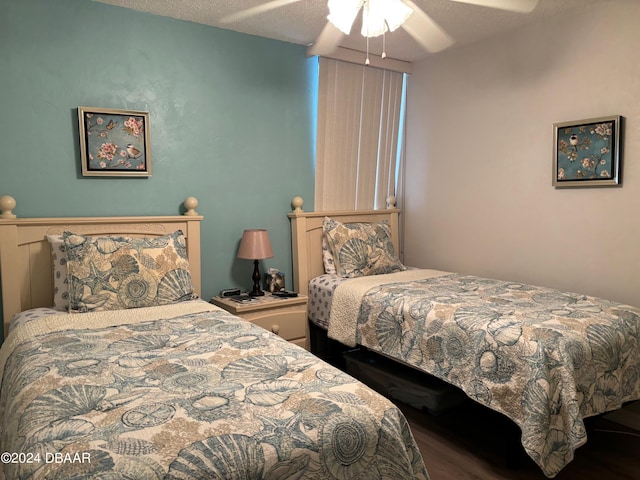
column 26, row 271
column 306, row 235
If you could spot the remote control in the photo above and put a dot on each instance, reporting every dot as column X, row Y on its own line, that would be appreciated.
column 285, row 293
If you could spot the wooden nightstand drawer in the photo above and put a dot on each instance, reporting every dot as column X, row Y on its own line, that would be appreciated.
column 290, row 324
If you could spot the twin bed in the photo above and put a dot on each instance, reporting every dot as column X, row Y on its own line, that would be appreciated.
column 546, row 359
column 146, row 381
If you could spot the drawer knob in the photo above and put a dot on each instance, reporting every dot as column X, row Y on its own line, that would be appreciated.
column 275, row 329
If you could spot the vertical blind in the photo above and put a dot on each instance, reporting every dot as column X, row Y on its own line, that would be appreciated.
column 359, row 110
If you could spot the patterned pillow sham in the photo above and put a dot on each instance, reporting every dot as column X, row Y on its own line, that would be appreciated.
column 114, row 273
column 59, row 261
column 327, row 257
column 361, row 249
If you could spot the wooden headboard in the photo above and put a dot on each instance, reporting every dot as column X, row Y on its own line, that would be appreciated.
column 306, row 236
column 26, row 271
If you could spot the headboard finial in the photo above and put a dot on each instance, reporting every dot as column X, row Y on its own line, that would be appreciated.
column 190, row 203
column 7, row 203
column 297, row 203
column 391, row 201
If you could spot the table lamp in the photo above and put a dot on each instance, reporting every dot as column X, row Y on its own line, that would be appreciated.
column 255, row 245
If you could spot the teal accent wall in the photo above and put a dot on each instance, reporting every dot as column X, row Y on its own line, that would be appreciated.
column 231, row 122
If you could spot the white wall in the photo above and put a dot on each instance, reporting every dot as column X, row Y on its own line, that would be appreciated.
column 479, row 198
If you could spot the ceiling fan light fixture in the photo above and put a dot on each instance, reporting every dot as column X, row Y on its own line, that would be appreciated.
column 342, row 13
column 384, row 15
column 379, row 16
column 373, row 21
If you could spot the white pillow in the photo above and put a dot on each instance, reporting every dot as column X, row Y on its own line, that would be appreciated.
column 60, row 282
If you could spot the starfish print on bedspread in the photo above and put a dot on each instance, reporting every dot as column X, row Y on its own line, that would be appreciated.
column 284, row 435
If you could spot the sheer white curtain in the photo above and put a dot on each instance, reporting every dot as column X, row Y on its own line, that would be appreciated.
column 359, row 110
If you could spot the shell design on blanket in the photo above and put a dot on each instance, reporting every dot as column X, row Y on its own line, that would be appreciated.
column 391, row 460
column 246, row 341
column 148, row 415
column 62, row 431
column 347, row 445
column 314, row 411
column 271, row 392
column 141, row 343
column 191, row 381
column 61, row 403
column 389, row 332
column 130, row 446
column 216, row 402
column 255, row 368
column 226, row 456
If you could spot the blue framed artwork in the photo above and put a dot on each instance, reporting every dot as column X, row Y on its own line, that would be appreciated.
column 587, row 152
column 114, row 143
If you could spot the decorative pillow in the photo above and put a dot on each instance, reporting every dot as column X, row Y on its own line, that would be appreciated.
column 59, row 260
column 361, row 249
column 327, row 257
column 114, row 273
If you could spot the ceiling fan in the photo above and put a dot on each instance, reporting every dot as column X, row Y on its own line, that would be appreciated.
column 378, row 17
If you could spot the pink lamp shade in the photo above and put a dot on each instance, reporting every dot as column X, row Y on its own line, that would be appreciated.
column 255, row 245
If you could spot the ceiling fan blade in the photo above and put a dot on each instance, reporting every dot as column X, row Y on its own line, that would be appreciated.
column 327, row 41
column 425, row 31
column 257, row 10
column 520, row 6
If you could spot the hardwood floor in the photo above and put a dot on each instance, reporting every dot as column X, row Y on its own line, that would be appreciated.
column 469, row 442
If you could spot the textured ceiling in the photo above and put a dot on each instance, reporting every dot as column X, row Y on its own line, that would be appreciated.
column 301, row 21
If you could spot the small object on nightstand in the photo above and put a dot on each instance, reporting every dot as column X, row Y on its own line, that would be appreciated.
column 274, row 280
column 285, row 294
column 230, row 292
column 242, row 298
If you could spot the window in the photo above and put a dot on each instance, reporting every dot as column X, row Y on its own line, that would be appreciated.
column 359, row 135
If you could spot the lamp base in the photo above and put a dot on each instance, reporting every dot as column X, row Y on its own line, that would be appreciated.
column 256, row 292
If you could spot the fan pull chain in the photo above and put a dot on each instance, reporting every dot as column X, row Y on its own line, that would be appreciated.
column 365, row 11
column 384, row 46
column 366, row 62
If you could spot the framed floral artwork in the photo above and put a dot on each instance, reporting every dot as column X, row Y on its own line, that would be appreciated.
column 587, row 152
column 114, row 143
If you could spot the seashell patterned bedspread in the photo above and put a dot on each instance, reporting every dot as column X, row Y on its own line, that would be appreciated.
column 155, row 394
column 544, row 358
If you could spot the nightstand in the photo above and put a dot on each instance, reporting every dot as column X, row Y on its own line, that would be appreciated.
column 286, row 317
